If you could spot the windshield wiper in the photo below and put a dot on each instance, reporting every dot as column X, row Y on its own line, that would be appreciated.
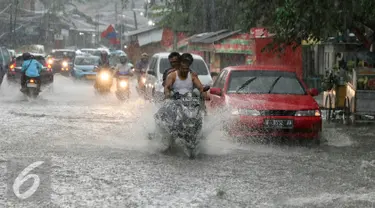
column 273, row 84
column 246, row 83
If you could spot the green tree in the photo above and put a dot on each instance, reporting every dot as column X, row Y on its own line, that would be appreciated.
column 291, row 20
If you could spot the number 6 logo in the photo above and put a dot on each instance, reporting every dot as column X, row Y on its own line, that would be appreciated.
column 22, row 177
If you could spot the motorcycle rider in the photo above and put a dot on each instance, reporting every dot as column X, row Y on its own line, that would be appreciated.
column 31, row 68
column 103, row 65
column 124, row 67
column 173, row 59
column 141, row 66
column 183, row 79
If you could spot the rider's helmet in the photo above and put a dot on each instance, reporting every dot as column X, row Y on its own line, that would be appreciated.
column 26, row 56
column 104, row 57
column 123, row 59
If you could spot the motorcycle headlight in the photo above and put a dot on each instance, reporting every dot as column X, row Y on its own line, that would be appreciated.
column 104, row 76
column 123, row 84
column 245, row 112
column 311, row 113
column 50, row 61
column 65, row 64
column 143, row 80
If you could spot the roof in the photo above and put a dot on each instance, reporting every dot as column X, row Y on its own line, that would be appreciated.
column 261, row 67
column 142, row 30
column 68, row 50
column 212, row 37
column 87, row 56
column 165, row 55
column 34, row 54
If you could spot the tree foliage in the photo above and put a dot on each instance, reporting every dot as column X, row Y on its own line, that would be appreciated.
column 291, row 20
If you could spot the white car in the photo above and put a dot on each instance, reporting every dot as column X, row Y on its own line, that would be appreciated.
column 159, row 63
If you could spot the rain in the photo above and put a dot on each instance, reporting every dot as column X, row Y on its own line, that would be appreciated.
column 279, row 118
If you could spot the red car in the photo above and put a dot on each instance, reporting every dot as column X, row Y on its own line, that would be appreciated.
column 267, row 101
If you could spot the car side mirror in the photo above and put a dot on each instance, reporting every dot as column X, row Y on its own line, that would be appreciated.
column 215, row 91
column 151, row 73
column 313, row 92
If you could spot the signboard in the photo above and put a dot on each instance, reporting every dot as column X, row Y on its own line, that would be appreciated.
column 259, row 32
column 58, row 37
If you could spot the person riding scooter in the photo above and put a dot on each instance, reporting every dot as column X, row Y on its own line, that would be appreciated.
column 31, row 68
column 102, row 68
column 124, row 67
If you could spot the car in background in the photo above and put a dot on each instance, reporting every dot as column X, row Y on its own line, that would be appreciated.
column 83, row 67
column 62, row 60
column 267, row 101
column 159, row 63
column 14, row 72
column 5, row 62
column 92, row 51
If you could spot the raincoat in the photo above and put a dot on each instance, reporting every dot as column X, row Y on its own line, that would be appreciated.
column 31, row 68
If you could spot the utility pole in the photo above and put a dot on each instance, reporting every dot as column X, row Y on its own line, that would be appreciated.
column 135, row 15
column 11, row 22
column 175, row 39
column 122, row 20
column 15, row 22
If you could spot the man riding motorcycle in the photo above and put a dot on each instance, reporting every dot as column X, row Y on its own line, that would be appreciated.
column 141, row 66
column 183, row 79
column 103, row 65
column 31, row 68
column 124, row 67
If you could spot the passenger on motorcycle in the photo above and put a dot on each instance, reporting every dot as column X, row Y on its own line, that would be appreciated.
column 141, row 66
column 183, row 80
column 103, row 65
column 31, row 68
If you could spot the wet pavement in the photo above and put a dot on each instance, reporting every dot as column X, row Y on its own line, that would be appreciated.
column 97, row 154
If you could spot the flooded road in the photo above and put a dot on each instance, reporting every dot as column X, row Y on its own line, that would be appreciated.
column 97, row 154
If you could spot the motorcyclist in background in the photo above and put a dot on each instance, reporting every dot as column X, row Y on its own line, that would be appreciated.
column 31, row 68
column 124, row 67
column 103, row 65
column 141, row 66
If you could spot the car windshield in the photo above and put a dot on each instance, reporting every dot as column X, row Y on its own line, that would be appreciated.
column 86, row 61
column 264, row 82
column 198, row 66
column 40, row 59
column 62, row 54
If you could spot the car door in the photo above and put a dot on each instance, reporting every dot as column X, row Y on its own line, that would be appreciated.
column 217, row 100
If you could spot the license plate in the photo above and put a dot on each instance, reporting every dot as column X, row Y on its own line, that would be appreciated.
column 91, row 76
column 31, row 85
column 278, row 124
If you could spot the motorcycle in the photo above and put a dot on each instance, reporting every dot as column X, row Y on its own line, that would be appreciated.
column 32, row 88
column 141, row 87
column 104, row 80
column 65, row 68
column 183, row 123
column 123, row 90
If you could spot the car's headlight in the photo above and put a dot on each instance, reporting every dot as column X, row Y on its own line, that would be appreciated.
column 308, row 113
column 246, row 112
column 65, row 64
column 123, row 84
column 104, row 76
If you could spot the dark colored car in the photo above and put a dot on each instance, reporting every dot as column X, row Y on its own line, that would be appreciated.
column 62, row 60
column 14, row 72
column 5, row 61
